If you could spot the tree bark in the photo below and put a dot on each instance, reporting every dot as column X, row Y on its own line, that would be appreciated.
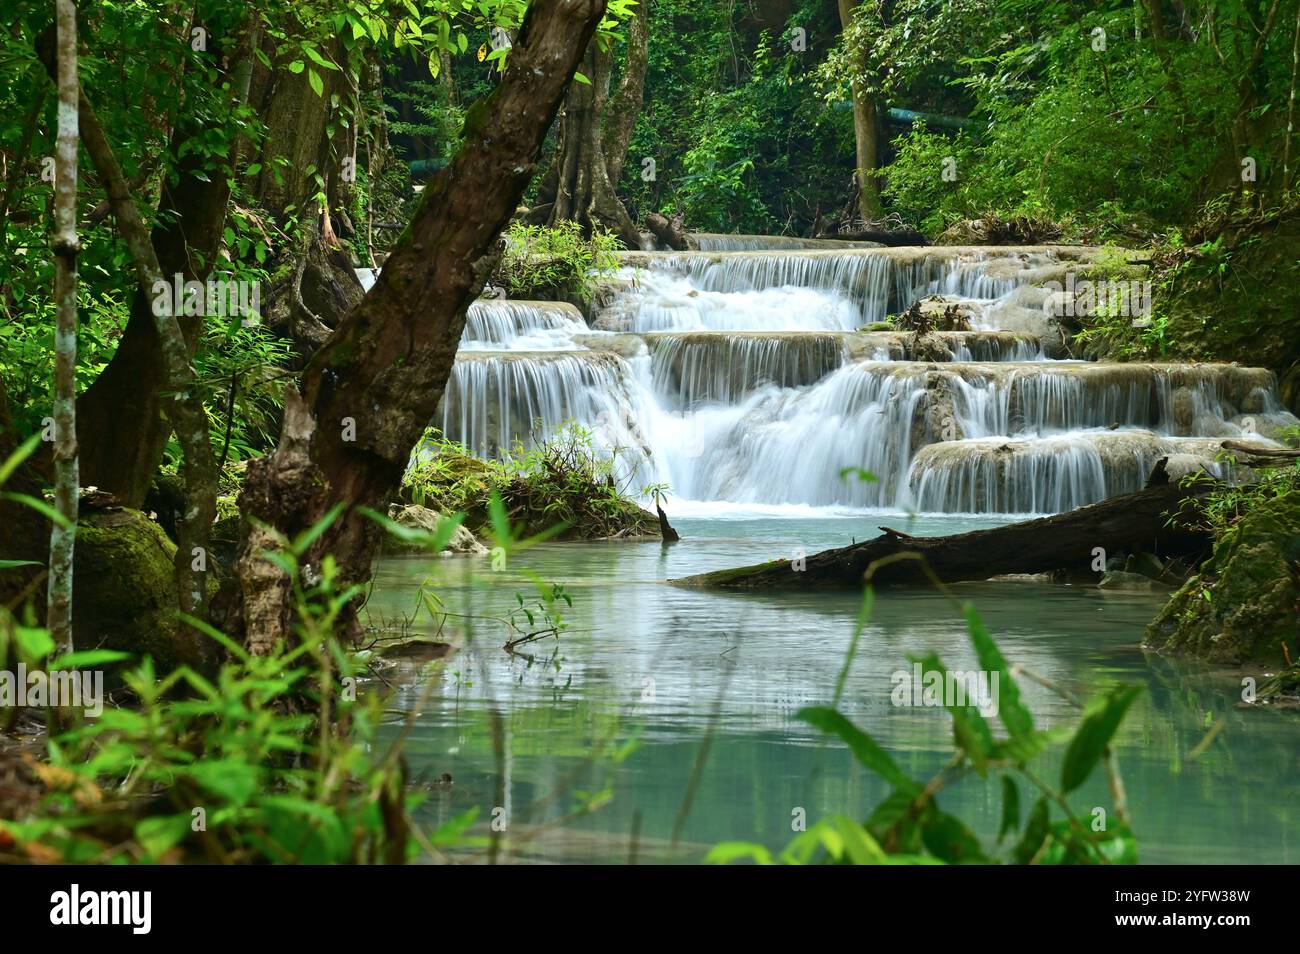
column 122, row 423
column 595, row 131
column 866, row 134
column 1067, row 541
column 369, row 393
column 182, row 401
column 66, row 483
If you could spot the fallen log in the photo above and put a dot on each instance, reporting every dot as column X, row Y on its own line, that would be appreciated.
column 1162, row 519
column 1256, row 457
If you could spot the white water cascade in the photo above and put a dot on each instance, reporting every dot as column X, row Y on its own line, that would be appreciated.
column 754, row 372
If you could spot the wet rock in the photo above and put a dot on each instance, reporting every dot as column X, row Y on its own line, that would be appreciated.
column 928, row 347
column 1122, row 580
column 1146, row 564
column 1182, row 409
column 422, row 518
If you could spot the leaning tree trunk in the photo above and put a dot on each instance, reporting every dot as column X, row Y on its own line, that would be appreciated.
column 66, row 485
column 865, row 130
column 369, row 393
column 595, row 131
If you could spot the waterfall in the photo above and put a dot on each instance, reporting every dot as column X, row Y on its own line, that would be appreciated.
column 744, row 373
column 530, row 325
column 692, row 369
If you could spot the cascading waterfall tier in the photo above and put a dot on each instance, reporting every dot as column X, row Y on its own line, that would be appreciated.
column 763, row 375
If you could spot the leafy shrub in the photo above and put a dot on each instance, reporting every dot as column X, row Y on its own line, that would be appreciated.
column 563, row 487
column 273, row 760
column 545, row 262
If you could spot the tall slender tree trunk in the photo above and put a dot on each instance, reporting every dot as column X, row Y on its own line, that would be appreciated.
column 370, row 392
column 595, row 131
column 866, row 133
column 168, row 357
column 67, row 487
column 1290, row 105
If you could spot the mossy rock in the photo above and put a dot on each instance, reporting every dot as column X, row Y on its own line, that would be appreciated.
column 1245, row 603
column 124, row 592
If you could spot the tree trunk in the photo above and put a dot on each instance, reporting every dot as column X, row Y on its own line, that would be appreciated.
column 369, row 393
column 124, row 431
column 296, row 148
column 865, row 130
column 66, row 484
column 181, row 399
column 1066, row 541
column 595, row 130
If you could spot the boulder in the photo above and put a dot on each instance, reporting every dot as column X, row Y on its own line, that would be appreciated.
column 422, row 518
column 124, row 592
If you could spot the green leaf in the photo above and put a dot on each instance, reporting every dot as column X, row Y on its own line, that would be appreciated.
column 1101, row 717
column 579, row 77
column 9, row 564
column 1036, row 830
column 161, row 833
column 946, row 837
column 33, row 643
column 864, row 748
column 234, row 781
column 1011, row 710
column 88, row 658
column 500, row 522
column 435, row 541
column 40, row 506
column 297, row 66
column 319, row 60
column 866, row 476
column 859, row 847
column 15, row 460
column 1010, row 807
column 727, row 852
column 309, row 536
column 969, row 729
column 317, row 84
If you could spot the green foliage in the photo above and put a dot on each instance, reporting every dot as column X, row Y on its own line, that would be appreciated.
column 740, row 142
column 545, row 262
column 563, row 487
column 1227, row 503
column 1091, row 122
column 272, row 760
column 908, row 827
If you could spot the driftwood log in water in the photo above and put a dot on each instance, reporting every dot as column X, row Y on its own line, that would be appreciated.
column 1076, row 540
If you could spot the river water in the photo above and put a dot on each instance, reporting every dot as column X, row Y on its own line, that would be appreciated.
column 707, row 684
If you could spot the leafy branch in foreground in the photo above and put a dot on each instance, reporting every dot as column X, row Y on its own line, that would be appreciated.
column 909, row 827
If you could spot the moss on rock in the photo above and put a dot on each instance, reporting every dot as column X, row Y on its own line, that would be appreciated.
column 1244, row 604
column 124, row 591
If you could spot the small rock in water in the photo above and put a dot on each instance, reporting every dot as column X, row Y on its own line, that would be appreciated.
column 1120, row 580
